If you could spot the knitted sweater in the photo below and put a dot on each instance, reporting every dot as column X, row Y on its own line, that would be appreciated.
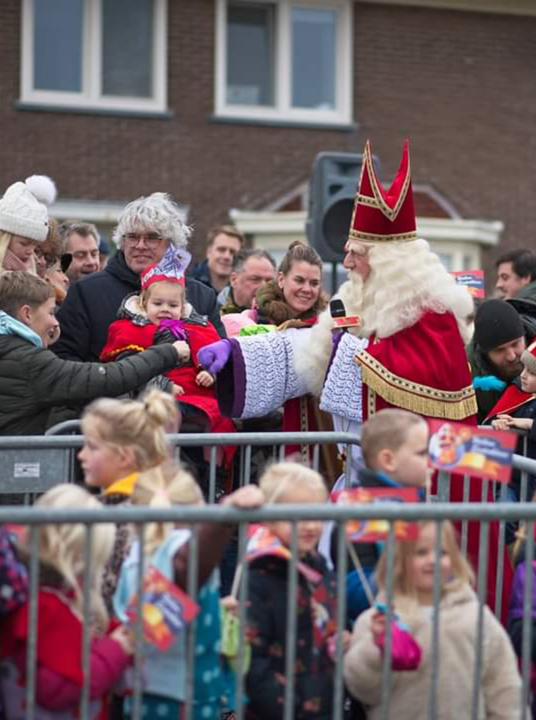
column 500, row 684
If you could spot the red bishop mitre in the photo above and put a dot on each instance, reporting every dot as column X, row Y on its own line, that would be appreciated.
column 381, row 216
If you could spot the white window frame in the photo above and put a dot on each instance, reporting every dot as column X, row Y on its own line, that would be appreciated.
column 90, row 96
column 282, row 110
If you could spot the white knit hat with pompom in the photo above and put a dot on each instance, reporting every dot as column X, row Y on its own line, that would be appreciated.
column 23, row 209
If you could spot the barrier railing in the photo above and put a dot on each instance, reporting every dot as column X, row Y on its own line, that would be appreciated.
column 192, row 517
column 33, row 464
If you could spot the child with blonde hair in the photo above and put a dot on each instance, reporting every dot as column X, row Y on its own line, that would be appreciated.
column 166, row 547
column 285, row 483
column 121, row 439
column 413, row 593
column 59, row 673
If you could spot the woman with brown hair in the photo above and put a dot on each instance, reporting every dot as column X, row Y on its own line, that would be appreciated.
column 51, row 264
column 296, row 293
column 249, row 376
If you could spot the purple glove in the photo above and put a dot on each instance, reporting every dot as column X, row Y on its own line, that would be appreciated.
column 214, row 356
column 169, row 331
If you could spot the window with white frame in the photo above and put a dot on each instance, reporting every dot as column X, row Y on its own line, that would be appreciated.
column 104, row 54
column 288, row 60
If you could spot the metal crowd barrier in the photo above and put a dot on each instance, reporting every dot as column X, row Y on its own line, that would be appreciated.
column 36, row 517
column 33, row 464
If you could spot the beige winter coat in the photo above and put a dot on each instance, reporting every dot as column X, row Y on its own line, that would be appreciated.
column 500, row 686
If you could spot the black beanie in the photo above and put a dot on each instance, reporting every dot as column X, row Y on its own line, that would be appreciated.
column 496, row 323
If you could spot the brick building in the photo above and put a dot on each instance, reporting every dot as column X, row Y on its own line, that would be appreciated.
column 225, row 104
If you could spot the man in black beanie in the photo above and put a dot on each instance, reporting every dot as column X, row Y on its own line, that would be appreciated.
column 495, row 352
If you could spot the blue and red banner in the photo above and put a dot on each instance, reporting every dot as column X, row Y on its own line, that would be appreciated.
column 470, row 450
column 473, row 280
column 165, row 609
column 377, row 530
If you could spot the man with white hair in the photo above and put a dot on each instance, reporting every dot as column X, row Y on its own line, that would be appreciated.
column 146, row 228
column 408, row 350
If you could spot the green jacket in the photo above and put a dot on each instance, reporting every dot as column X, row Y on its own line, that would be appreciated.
column 527, row 293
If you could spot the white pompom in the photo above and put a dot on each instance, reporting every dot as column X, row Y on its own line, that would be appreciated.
column 42, row 187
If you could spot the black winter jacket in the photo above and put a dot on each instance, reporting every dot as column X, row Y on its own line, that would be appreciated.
column 33, row 380
column 92, row 303
column 267, row 630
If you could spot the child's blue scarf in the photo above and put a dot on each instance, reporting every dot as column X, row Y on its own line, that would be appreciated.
column 10, row 326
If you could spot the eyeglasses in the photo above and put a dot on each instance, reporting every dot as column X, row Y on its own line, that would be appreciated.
column 65, row 261
column 151, row 239
column 50, row 258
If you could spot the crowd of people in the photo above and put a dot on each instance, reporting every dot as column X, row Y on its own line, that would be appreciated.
column 142, row 344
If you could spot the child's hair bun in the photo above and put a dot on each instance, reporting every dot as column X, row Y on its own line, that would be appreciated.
column 278, row 478
column 160, row 407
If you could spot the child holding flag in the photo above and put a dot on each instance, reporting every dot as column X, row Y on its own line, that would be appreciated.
column 515, row 411
column 267, row 610
column 499, row 688
column 60, row 603
column 167, row 608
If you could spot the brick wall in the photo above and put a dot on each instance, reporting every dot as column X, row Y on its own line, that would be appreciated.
column 459, row 84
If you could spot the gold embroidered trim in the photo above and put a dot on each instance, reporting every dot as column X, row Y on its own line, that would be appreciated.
column 421, row 399
column 137, row 348
column 366, row 200
column 370, row 237
column 389, row 212
column 371, row 395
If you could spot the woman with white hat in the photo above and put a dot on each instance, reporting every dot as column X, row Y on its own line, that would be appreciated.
column 24, row 221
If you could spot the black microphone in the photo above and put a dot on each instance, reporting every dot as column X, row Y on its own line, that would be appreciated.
column 342, row 320
column 337, row 309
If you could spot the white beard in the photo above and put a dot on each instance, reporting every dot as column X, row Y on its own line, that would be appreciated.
column 405, row 281
column 311, row 360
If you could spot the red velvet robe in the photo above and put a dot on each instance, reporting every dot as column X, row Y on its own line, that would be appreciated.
column 424, row 369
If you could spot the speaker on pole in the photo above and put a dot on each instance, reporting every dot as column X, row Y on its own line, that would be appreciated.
column 332, row 190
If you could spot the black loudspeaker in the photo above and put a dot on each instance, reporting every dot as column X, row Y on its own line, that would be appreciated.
column 332, row 190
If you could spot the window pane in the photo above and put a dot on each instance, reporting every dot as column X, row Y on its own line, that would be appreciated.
column 446, row 260
column 469, row 262
column 313, row 59
column 127, row 47
column 250, row 53
column 58, row 45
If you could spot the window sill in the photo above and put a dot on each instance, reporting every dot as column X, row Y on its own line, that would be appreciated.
column 302, row 125
column 76, row 110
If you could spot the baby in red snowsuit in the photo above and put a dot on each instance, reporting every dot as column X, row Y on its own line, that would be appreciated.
column 162, row 309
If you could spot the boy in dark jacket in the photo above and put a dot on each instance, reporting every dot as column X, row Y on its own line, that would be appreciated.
column 516, row 410
column 394, row 444
column 33, row 380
